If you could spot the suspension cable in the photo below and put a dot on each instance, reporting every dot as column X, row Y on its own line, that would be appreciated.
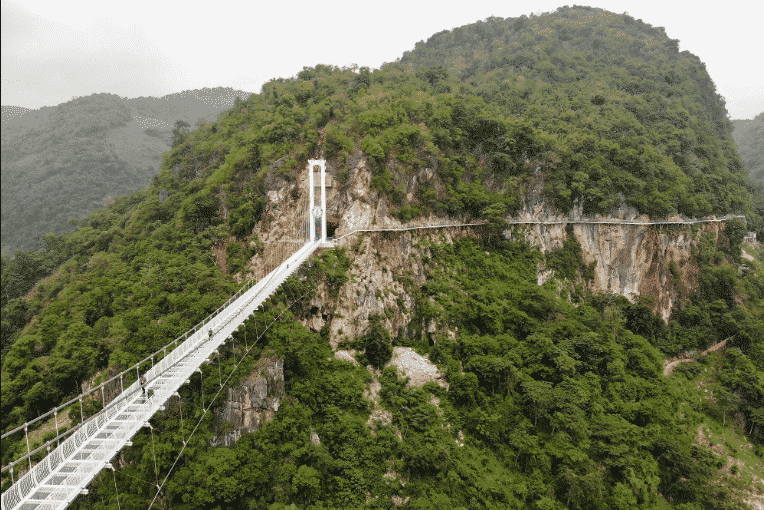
column 122, row 473
column 115, row 486
column 220, row 380
column 182, row 437
column 156, row 473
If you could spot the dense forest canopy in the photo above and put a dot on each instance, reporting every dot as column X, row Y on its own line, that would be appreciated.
column 558, row 391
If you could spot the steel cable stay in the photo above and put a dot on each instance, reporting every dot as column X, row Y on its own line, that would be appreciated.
column 207, row 408
column 153, row 450
column 113, row 474
column 48, row 464
column 92, row 443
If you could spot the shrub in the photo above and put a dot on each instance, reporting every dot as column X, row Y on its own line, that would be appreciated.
column 377, row 343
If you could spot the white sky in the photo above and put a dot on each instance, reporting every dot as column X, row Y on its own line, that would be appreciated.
column 53, row 50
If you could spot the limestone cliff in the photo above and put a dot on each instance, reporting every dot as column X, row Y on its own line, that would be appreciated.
column 631, row 260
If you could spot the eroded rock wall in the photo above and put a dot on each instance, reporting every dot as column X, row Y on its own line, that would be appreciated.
column 631, row 260
column 251, row 403
column 380, row 262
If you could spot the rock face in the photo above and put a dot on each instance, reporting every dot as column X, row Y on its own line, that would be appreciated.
column 631, row 260
column 418, row 369
column 252, row 403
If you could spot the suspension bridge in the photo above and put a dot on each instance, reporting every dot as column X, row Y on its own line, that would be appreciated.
column 66, row 471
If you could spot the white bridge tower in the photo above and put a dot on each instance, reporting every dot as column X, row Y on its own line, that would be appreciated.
column 317, row 212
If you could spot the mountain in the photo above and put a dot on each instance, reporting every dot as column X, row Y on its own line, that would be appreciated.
column 69, row 160
column 749, row 136
column 485, row 366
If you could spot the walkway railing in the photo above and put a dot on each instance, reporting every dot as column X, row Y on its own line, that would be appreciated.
column 545, row 222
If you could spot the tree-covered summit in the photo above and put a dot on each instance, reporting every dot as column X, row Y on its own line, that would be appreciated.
column 603, row 108
column 614, row 106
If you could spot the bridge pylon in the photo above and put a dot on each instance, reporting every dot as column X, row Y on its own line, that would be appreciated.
column 317, row 212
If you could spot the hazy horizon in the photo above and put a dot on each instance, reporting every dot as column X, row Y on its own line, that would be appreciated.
column 52, row 52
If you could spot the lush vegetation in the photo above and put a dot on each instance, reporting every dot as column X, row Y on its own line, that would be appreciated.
column 558, row 392
column 561, row 406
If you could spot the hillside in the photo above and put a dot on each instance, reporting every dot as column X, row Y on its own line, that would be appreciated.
column 69, row 160
column 529, row 385
column 749, row 136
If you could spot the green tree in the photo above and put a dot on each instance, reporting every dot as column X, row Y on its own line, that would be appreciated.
column 377, row 343
column 306, row 484
column 180, row 132
column 735, row 230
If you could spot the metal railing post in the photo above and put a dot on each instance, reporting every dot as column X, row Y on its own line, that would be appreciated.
column 26, row 436
column 55, row 416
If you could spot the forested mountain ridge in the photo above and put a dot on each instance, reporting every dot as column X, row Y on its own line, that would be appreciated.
column 67, row 161
column 555, row 397
column 749, row 136
column 650, row 111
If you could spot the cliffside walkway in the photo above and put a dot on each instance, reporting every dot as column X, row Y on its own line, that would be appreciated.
column 549, row 222
column 64, row 473
column 627, row 222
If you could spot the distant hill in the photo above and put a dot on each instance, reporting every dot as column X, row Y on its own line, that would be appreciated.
column 749, row 136
column 11, row 112
column 69, row 160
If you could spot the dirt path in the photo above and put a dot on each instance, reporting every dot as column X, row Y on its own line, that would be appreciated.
column 670, row 364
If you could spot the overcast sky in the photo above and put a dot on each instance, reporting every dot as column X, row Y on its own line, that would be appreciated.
column 54, row 50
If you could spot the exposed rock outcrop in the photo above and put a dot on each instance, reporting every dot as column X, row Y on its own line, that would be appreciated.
column 631, row 260
column 418, row 369
column 252, row 403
